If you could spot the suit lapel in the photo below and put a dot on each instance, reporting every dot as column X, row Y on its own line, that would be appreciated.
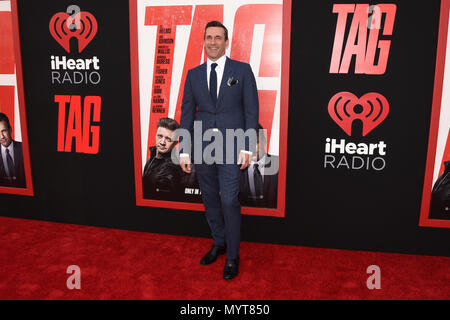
column 2, row 168
column 16, row 156
column 223, row 84
column 267, row 178
column 246, row 183
column 204, row 83
column 204, row 79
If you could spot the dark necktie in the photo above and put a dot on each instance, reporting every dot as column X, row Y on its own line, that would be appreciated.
column 10, row 162
column 213, row 83
column 259, row 184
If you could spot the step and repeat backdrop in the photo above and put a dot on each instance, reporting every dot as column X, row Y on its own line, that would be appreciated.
column 354, row 110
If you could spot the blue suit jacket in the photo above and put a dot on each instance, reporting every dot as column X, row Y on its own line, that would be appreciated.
column 237, row 104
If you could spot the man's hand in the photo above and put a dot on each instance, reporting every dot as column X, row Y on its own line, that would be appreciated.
column 244, row 160
column 185, row 163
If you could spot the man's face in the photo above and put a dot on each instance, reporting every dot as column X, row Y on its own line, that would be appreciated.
column 215, row 43
column 5, row 134
column 165, row 140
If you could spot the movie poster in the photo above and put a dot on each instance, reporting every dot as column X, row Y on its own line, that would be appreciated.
column 167, row 41
column 435, row 209
column 15, row 172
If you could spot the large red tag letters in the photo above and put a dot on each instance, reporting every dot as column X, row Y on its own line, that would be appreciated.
column 363, row 38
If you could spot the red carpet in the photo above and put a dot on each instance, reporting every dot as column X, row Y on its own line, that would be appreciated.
column 116, row 264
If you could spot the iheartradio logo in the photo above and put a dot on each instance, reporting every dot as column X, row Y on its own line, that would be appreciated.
column 372, row 109
column 79, row 24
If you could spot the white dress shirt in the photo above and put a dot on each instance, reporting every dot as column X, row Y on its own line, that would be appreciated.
column 11, row 153
column 219, row 70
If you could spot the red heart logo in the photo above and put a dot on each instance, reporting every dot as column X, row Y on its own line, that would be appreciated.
column 85, row 29
column 342, row 105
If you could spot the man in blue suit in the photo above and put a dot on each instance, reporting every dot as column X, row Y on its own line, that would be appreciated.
column 220, row 95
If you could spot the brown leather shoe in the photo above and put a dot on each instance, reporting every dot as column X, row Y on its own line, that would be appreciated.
column 212, row 254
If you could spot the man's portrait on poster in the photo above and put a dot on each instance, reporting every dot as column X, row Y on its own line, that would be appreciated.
column 12, row 170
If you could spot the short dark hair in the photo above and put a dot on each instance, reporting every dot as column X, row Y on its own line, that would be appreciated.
column 4, row 117
column 167, row 123
column 216, row 24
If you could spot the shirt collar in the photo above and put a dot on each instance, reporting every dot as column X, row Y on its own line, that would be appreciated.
column 261, row 162
column 153, row 153
column 220, row 62
column 10, row 147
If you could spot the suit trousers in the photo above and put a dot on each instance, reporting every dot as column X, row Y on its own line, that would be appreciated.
column 219, row 184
